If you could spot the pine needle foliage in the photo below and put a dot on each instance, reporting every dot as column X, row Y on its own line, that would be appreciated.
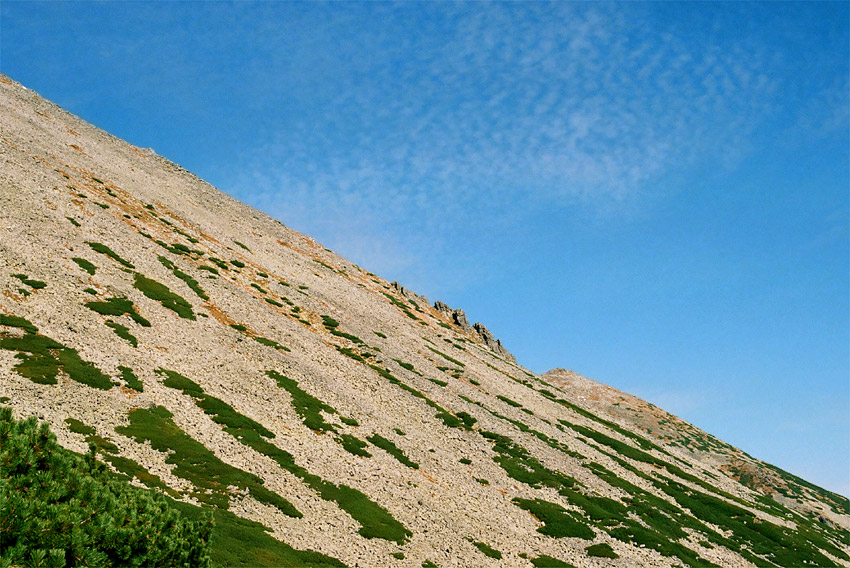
column 58, row 508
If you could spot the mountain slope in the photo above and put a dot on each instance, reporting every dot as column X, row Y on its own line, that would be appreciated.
column 214, row 354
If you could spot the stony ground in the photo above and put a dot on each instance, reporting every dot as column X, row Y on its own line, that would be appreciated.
column 130, row 287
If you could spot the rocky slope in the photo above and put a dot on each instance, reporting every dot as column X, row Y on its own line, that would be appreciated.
column 211, row 353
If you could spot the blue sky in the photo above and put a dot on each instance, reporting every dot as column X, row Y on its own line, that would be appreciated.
column 652, row 194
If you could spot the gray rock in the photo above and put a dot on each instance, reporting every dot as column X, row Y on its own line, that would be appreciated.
column 490, row 341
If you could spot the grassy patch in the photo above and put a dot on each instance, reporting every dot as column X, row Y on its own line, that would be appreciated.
column 78, row 427
column 446, row 357
column 210, row 476
column 221, row 412
column 19, row 322
column 190, row 282
column 379, row 334
column 103, row 249
column 85, row 265
column 41, row 358
column 557, row 521
column 519, row 464
column 258, row 288
column 308, row 407
column 509, row 401
column 389, row 447
column 487, row 550
column 131, row 379
column 273, row 302
column 208, row 269
column 601, row 550
column 73, row 221
column 160, row 293
column 237, row 243
column 269, row 343
column 237, row 263
column 544, row 561
column 34, row 284
column 123, row 332
column 238, row 542
column 354, row 445
column 118, row 307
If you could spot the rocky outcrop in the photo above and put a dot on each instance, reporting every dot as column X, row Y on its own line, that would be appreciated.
column 490, row 341
column 409, row 294
column 458, row 317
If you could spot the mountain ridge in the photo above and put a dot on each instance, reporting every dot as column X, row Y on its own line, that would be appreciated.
column 342, row 413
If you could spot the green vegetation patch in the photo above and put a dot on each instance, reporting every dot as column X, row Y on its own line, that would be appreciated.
column 190, row 282
column 220, row 263
column 73, row 221
column 237, row 243
column 354, row 445
column 447, row 417
column 389, row 447
column 401, row 305
column 15, row 321
column 238, row 542
column 487, row 550
column 34, row 284
column 237, row 263
column 85, row 265
column 208, row 269
column 131, row 379
column 269, row 343
column 123, row 332
column 160, row 293
column 77, row 427
column 544, row 561
column 118, row 307
column 519, row 464
column 307, row 406
column 513, row 403
column 446, row 357
column 221, row 412
column 557, row 521
column 41, row 358
column 258, row 288
column 103, row 249
column 375, row 521
column 58, row 505
column 602, row 550
column 194, row 462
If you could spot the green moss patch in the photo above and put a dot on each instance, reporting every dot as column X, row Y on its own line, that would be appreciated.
column 389, row 447
column 446, row 357
column 210, row 476
column 85, row 265
column 557, row 521
column 131, row 379
column 544, row 561
column 601, row 550
column 103, row 249
column 160, row 293
column 307, row 406
column 354, row 445
column 34, row 284
column 118, row 307
column 41, row 358
column 221, row 412
column 487, row 550
column 123, row 332
column 190, row 282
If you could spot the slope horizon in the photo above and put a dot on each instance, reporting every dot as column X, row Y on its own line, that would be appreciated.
column 732, row 329
column 321, row 414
